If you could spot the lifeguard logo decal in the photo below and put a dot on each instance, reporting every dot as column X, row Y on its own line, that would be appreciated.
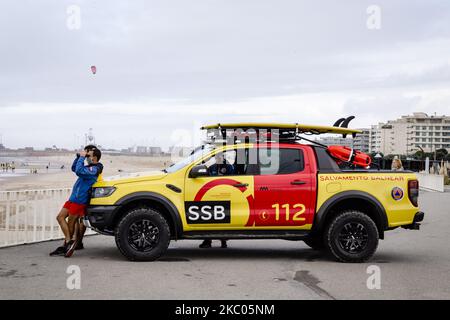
column 397, row 193
column 215, row 183
column 198, row 211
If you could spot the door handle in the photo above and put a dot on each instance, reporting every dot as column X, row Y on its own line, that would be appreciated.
column 240, row 185
column 298, row 182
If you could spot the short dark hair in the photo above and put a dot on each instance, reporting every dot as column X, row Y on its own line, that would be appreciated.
column 97, row 153
column 90, row 147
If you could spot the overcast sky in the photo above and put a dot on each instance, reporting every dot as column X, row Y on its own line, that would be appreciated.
column 176, row 65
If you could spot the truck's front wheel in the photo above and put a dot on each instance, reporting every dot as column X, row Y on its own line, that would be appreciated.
column 352, row 236
column 142, row 235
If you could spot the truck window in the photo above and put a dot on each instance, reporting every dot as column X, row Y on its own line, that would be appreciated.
column 280, row 161
column 196, row 154
column 236, row 162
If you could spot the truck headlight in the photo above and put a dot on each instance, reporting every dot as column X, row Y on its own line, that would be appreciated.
column 102, row 192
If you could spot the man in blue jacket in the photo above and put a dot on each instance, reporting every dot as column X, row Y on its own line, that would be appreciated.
column 75, row 207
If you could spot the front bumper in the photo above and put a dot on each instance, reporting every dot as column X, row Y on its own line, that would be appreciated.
column 100, row 217
column 419, row 216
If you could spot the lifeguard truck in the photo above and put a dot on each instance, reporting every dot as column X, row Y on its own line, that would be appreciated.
column 259, row 181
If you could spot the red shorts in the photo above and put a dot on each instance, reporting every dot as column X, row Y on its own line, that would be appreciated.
column 75, row 209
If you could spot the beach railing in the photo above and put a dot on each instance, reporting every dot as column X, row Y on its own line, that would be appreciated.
column 30, row 216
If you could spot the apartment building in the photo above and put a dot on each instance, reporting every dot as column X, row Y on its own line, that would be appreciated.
column 335, row 141
column 361, row 141
column 411, row 133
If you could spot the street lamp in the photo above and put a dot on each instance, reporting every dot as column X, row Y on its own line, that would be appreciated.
column 378, row 158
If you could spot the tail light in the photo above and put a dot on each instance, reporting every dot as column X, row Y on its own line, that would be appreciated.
column 413, row 191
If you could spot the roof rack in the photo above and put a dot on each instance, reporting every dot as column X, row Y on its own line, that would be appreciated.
column 232, row 133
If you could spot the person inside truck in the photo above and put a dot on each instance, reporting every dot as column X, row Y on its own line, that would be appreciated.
column 221, row 166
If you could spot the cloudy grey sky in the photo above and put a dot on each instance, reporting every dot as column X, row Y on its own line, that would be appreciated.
column 174, row 64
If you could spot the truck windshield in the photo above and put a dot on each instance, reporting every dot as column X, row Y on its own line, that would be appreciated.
column 198, row 153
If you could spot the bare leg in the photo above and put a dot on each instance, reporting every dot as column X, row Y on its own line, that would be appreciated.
column 81, row 229
column 75, row 232
column 61, row 218
column 71, row 224
column 73, row 221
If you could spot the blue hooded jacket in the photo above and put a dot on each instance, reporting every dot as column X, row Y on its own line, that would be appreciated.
column 87, row 176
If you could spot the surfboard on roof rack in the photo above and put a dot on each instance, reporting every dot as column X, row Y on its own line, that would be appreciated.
column 300, row 128
column 340, row 127
column 282, row 132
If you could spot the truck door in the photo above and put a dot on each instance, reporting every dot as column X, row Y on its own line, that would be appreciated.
column 223, row 200
column 285, row 189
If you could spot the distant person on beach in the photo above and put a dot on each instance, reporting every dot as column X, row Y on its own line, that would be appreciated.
column 397, row 164
column 75, row 208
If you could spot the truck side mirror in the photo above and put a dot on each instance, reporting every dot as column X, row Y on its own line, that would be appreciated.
column 199, row 171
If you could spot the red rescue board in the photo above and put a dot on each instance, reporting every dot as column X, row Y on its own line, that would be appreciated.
column 350, row 155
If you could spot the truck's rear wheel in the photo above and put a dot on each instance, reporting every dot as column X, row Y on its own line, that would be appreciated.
column 142, row 235
column 352, row 236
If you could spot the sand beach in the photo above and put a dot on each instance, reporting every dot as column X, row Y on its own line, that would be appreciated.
column 55, row 177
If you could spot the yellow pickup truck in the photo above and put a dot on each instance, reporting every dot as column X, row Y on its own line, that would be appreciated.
column 267, row 189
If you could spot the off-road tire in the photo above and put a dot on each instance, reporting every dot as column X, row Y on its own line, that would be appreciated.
column 359, row 228
column 145, row 218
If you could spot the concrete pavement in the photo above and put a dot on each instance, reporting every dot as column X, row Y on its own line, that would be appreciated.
column 413, row 265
